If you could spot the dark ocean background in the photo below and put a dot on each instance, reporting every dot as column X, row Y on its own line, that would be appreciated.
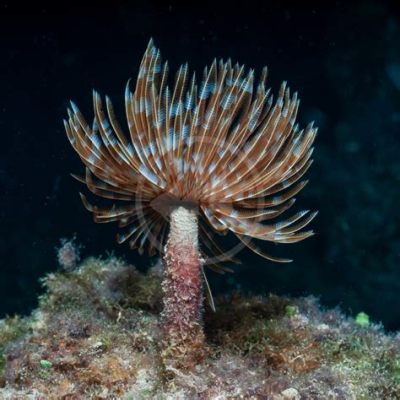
column 342, row 57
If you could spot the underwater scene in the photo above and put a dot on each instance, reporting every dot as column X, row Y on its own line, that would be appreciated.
column 200, row 201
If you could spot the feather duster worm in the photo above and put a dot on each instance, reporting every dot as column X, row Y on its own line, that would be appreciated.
column 220, row 155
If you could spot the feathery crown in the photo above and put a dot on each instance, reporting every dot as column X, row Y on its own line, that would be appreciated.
column 225, row 148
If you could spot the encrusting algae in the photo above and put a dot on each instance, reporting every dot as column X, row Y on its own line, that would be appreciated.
column 96, row 331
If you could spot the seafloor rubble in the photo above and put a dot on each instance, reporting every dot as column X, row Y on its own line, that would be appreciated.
column 95, row 336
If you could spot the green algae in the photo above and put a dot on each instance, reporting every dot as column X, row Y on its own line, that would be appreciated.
column 96, row 332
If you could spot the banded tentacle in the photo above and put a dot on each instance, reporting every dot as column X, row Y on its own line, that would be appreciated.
column 223, row 146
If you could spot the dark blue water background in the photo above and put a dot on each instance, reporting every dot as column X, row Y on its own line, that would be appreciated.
column 342, row 57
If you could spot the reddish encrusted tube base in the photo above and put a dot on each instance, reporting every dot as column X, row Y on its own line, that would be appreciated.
column 181, row 319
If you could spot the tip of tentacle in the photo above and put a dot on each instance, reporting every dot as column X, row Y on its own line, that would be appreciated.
column 74, row 107
column 127, row 90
